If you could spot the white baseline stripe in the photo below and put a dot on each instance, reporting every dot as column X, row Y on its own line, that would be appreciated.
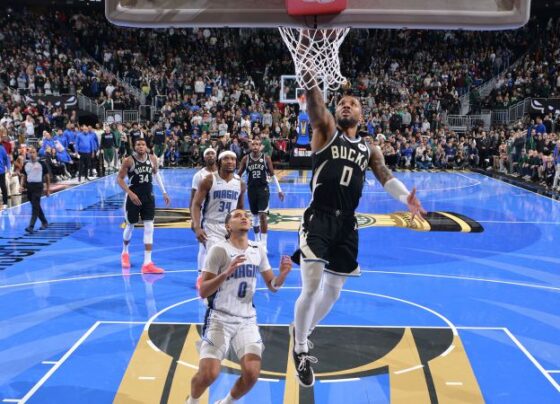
column 59, row 363
column 553, row 371
column 10, row 400
column 268, row 380
column 526, row 190
column 49, row 362
column 532, row 359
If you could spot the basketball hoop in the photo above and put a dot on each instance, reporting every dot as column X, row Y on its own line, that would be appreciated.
column 315, row 55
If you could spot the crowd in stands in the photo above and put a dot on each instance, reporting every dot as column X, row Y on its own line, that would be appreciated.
column 221, row 87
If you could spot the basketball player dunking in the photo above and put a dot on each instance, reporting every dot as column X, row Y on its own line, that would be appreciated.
column 328, row 238
column 141, row 168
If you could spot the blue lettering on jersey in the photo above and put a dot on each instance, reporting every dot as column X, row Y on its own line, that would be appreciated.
column 226, row 194
column 245, row 271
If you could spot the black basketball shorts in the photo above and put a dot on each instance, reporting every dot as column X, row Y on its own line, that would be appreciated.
column 146, row 211
column 332, row 238
column 258, row 199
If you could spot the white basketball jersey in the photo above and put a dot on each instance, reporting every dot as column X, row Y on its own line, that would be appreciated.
column 235, row 295
column 221, row 199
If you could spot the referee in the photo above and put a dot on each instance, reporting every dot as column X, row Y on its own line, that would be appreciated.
column 35, row 173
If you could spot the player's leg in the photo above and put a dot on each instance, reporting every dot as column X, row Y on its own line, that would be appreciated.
column 131, row 216
column 248, row 346
column 200, row 262
column 208, row 372
column 254, row 207
column 147, row 212
column 263, row 200
column 342, row 263
column 330, row 292
column 216, row 339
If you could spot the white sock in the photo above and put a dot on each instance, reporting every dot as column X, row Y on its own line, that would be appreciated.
column 311, row 274
column 147, row 257
column 127, row 235
column 257, row 234
column 264, row 239
column 125, row 248
column 191, row 400
column 200, row 257
column 228, row 399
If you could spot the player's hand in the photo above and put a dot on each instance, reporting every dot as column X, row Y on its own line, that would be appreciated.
column 166, row 199
column 48, row 192
column 238, row 260
column 281, row 196
column 201, row 235
column 285, row 265
column 134, row 198
column 414, row 205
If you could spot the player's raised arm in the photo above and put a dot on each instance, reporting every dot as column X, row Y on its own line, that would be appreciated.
column 275, row 282
column 322, row 121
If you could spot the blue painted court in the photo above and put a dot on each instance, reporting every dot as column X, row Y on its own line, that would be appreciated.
column 472, row 317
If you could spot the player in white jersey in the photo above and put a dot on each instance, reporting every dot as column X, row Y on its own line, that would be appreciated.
column 209, row 168
column 229, row 283
column 220, row 193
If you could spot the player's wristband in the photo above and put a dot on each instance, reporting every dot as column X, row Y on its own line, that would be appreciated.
column 159, row 181
column 397, row 190
column 273, row 284
column 276, row 183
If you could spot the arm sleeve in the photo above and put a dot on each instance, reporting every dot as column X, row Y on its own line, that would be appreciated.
column 216, row 260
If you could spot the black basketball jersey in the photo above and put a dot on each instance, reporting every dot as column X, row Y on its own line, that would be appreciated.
column 256, row 171
column 159, row 137
column 107, row 140
column 339, row 171
column 140, row 179
column 136, row 134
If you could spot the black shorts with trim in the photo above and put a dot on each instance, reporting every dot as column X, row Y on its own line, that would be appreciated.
column 146, row 211
column 329, row 237
column 258, row 199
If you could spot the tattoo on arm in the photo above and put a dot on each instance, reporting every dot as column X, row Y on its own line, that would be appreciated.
column 377, row 165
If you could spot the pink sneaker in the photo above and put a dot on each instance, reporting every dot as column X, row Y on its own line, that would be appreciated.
column 125, row 260
column 151, row 269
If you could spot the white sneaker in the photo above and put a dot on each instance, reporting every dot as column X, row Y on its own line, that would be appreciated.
column 4, row 207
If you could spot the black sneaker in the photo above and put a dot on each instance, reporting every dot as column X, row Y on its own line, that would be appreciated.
column 302, row 362
column 44, row 226
column 29, row 229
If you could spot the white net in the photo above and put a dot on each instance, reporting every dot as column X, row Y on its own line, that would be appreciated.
column 315, row 55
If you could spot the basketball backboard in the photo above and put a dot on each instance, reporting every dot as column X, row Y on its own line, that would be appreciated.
column 291, row 92
column 435, row 14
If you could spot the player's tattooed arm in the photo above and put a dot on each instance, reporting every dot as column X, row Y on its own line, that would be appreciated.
column 377, row 165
